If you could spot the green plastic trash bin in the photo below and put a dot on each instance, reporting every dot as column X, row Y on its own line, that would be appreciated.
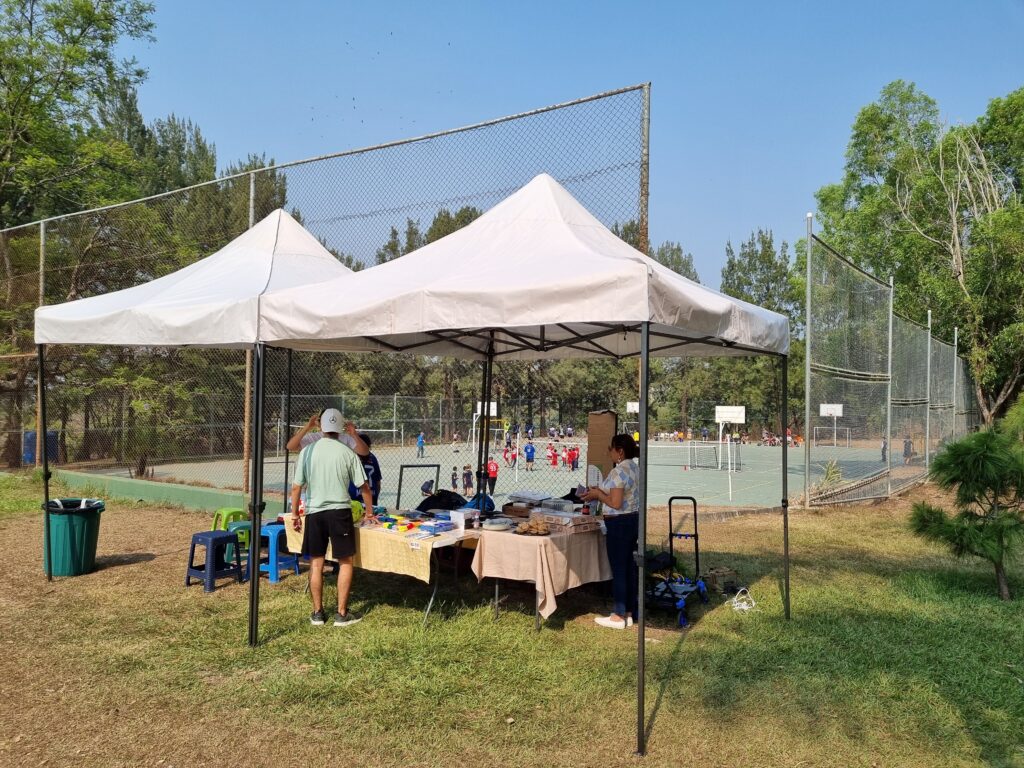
column 74, row 531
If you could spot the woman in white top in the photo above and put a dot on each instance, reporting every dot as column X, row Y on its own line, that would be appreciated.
column 619, row 494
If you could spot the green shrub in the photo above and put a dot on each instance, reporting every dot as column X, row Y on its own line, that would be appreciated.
column 986, row 472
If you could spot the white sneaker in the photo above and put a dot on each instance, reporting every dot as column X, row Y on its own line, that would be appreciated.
column 608, row 621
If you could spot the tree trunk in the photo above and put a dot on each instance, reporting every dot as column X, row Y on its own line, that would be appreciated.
column 1004, row 585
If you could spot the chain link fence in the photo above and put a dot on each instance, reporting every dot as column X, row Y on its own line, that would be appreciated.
column 884, row 394
column 180, row 415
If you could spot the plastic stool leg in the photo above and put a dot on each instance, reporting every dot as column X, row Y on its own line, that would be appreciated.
column 272, row 544
column 211, row 562
column 238, row 559
column 191, row 563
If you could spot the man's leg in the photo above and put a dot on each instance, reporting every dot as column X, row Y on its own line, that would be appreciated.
column 344, row 583
column 316, row 582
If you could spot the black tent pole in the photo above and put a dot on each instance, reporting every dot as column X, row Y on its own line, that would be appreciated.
column 785, row 481
column 641, row 540
column 485, row 420
column 287, row 429
column 256, row 504
column 480, row 425
column 47, row 554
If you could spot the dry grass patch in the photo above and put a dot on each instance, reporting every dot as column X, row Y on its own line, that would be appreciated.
column 896, row 655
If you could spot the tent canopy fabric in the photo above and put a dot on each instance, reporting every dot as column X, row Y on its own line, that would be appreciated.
column 213, row 302
column 538, row 275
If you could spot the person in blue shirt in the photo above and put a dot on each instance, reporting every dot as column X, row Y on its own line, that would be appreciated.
column 421, row 445
column 529, row 451
column 372, row 468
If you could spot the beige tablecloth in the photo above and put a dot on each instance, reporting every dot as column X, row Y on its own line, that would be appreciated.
column 380, row 550
column 554, row 563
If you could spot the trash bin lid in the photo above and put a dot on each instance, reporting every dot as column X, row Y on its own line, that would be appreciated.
column 66, row 506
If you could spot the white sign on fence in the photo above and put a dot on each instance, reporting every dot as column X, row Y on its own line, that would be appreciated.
column 730, row 414
column 633, row 406
column 494, row 409
column 831, row 409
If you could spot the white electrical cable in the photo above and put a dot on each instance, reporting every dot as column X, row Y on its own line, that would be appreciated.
column 742, row 602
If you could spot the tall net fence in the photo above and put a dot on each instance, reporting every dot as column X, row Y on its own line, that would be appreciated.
column 180, row 415
column 884, row 395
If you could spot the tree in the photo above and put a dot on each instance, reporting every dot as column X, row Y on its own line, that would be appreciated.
column 672, row 256
column 445, row 222
column 1013, row 422
column 939, row 209
column 986, row 472
column 758, row 273
column 57, row 60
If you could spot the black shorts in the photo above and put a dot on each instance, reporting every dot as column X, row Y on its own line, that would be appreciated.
column 334, row 525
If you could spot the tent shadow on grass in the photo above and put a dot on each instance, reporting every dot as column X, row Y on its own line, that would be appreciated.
column 907, row 655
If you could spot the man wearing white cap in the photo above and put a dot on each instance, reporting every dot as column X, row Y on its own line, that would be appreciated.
column 306, row 435
column 325, row 467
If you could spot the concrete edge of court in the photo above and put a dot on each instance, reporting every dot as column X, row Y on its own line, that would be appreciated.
column 210, row 499
column 190, row 497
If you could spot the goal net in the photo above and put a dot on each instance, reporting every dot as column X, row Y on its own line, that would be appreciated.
column 694, row 454
column 838, row 437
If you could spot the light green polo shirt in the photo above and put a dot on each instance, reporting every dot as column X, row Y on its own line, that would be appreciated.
column 331, row 466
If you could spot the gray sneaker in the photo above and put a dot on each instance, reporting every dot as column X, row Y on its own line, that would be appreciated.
column 347, row 619
column 317, row 618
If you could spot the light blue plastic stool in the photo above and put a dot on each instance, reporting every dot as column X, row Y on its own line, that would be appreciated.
column 277, row 551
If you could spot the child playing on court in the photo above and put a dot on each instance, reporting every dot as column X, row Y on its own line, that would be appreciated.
column 455, row 479
column 467, row 480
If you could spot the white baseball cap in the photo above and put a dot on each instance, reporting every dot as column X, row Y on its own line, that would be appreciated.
column 331, row 420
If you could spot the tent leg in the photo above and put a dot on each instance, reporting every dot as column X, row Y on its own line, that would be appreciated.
column 256, row 504
column 484, row 422
column 785, row 482
column 41, row 429
column 641, row 542
column 287, row 428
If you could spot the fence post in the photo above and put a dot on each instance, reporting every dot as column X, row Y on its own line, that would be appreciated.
column 394, row 418
column 928, row 412
column 440, row 429
column 807, row 366
column 40, row 433
column 645, row 164
column 956, row 343
column 888, row 403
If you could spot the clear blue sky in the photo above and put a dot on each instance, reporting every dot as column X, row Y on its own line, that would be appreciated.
column 752, row 102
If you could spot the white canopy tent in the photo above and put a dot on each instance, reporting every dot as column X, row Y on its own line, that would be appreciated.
column 213, row 302
column 537, row 276
column 540, row 273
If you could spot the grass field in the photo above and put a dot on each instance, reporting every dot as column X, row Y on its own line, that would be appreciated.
column 896, row 656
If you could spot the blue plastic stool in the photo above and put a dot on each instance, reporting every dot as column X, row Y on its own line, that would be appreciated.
column 277, row 551
column 242, row 528
column 215, row 567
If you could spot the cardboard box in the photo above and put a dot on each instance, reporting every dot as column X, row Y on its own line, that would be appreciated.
column 516, row 509
column 562, row 522
column 717, row 578
column 602, row 426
